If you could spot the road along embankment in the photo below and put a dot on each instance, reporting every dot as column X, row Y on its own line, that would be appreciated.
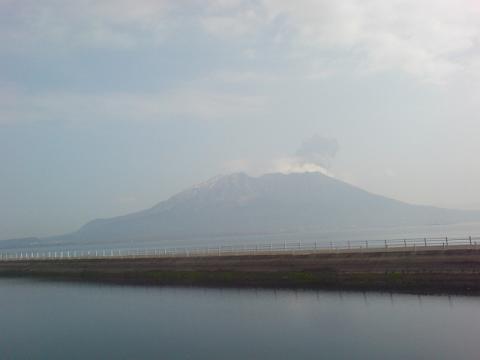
column 452, row 270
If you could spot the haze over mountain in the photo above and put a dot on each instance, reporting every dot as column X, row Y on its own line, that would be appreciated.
column 238, row 205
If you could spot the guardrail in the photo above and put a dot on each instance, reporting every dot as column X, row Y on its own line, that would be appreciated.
column 299, row 247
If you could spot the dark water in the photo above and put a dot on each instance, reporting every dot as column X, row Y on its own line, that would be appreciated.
column 44, row 320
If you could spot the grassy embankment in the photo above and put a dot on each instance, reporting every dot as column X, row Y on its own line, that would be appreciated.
column 426, row 271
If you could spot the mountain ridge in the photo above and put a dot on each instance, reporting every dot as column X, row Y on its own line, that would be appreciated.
column 293, row 202
column 240, row 205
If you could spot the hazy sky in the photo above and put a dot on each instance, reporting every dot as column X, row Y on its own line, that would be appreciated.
column 109, row 106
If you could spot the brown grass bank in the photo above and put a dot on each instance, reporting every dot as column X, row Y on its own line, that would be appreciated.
column 421, row 271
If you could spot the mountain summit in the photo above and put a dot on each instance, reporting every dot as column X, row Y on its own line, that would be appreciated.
column 240, row 205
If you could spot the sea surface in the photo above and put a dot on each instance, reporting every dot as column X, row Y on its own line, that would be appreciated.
column 61, row 320
column 328, row 238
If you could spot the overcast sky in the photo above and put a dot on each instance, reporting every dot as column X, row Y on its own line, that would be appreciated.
column 109, row 106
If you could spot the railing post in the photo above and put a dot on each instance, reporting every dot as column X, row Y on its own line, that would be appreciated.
column 264, row 248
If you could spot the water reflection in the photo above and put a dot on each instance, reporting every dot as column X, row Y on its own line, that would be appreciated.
column 42, row 320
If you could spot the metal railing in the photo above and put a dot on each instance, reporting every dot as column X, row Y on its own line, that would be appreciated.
column 426, row 243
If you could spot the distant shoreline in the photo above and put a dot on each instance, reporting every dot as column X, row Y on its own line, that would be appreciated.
column 421, row 271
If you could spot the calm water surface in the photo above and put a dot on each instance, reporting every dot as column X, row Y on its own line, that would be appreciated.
column 52, row 320
column 323, row 238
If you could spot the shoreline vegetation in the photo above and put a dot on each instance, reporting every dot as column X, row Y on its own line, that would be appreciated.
column 437, row 271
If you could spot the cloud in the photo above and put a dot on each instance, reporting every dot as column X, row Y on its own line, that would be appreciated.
column 193, row 102
column 229, row 77
column 432, row 39
column 227, row 19
column 33, row 25
column 422, row 38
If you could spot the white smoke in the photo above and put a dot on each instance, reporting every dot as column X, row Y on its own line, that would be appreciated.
column 314, row 155
column 288, row 165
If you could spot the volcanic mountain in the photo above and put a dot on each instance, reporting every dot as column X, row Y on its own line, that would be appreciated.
column 238, row 205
